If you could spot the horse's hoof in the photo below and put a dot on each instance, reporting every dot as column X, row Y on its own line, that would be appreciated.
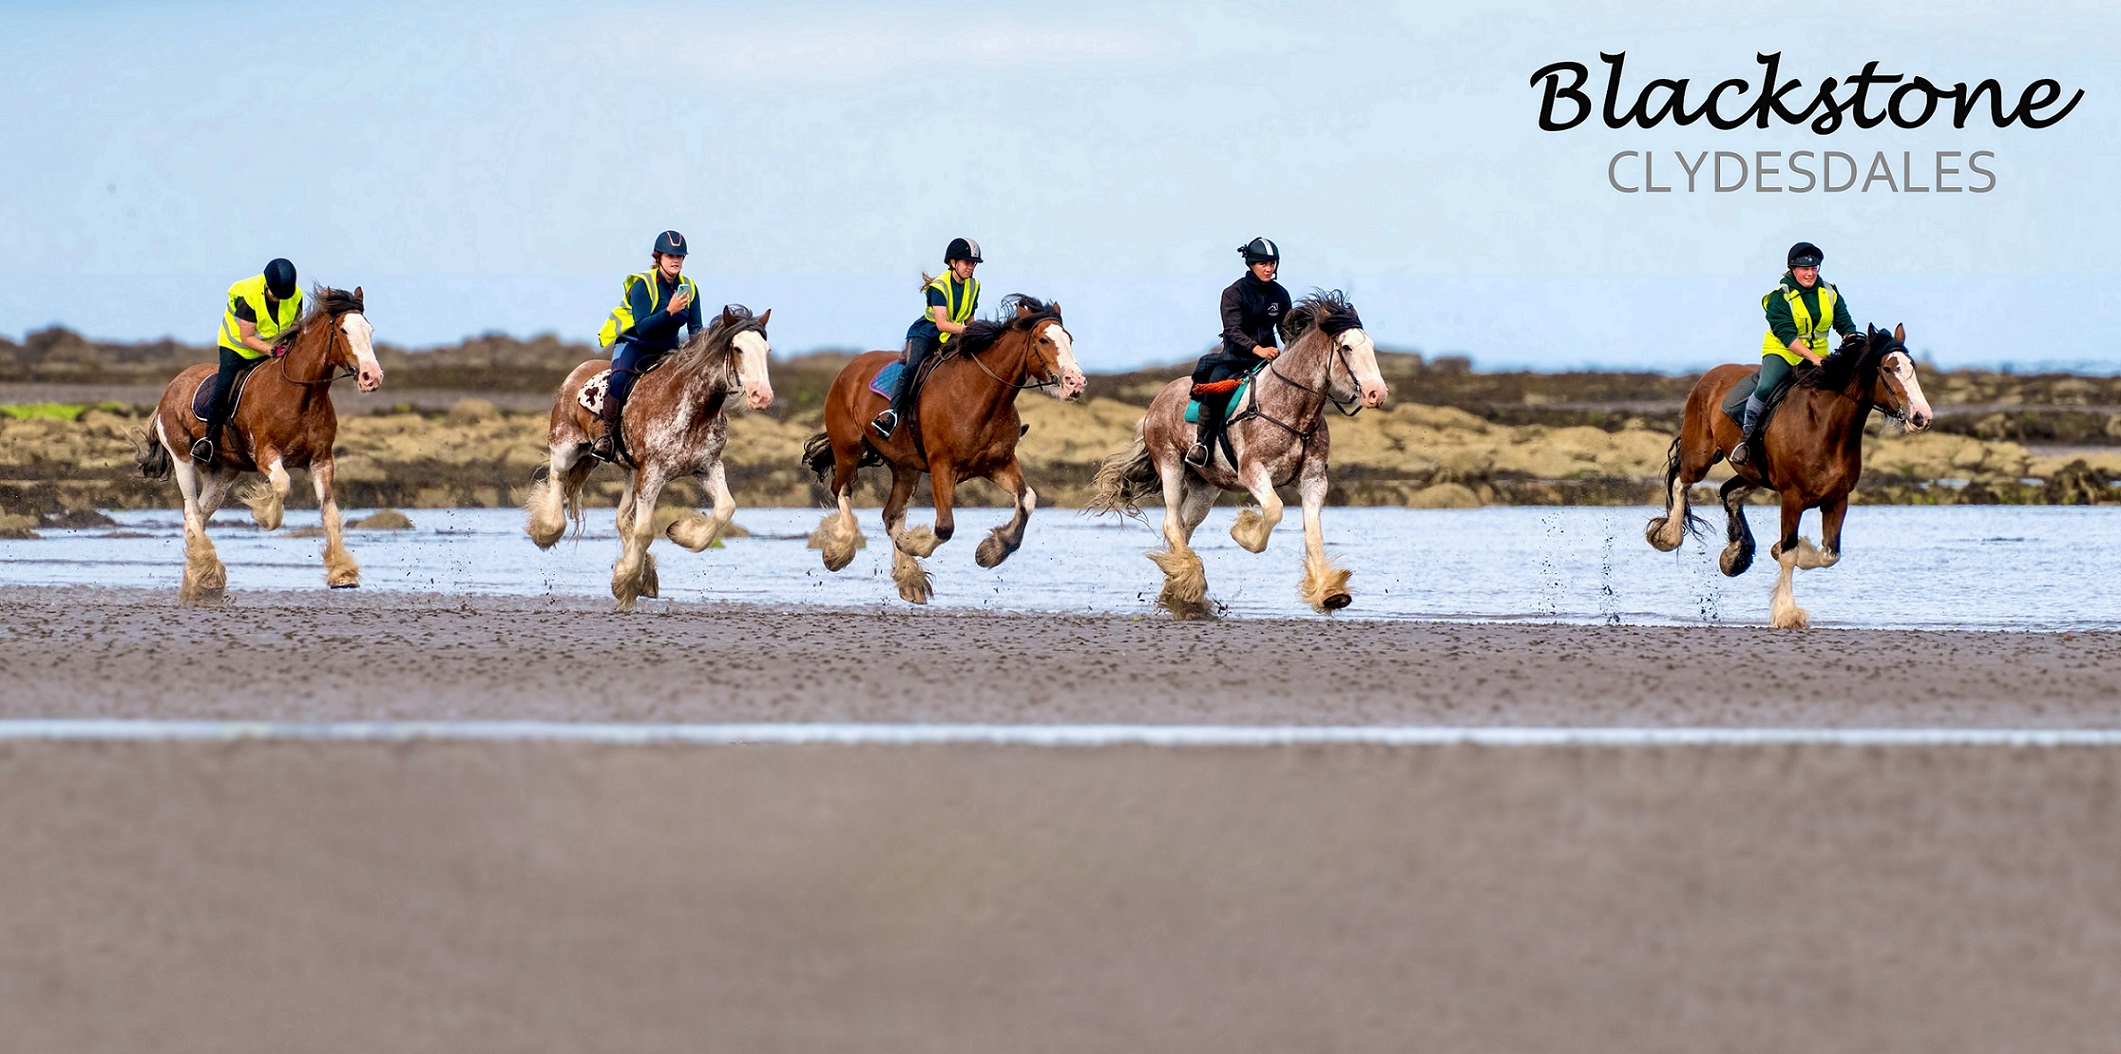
column 1655, row 534
column 1735, row 560
column 1336, row 601
column 344, row 585
column 991, row 552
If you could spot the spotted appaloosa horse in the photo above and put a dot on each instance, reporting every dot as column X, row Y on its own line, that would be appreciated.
column 1278, row 430
column 676, row 425
column 965, row 427
column 1812, row 455
column 285, row 420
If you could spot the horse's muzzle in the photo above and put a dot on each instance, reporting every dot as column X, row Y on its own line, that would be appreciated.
column 369, row 378
column 1072, row 385
column 758, row 396
column 1373, row 395
column 1917, row 421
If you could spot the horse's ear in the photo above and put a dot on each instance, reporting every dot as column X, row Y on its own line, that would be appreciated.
column 357, row 293
column 1022, row 310
column 1900, row 332
column 763, row 318
column 1054, row 307
column 726, row 316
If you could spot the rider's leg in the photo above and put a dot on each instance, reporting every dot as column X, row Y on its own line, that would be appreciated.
column 627, row 360
column 1774, row 373
column 1214, row 407
column 217, row 414
column 902, row 398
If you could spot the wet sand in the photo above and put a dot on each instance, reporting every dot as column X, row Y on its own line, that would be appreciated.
column 271, row 895
column 318, row 656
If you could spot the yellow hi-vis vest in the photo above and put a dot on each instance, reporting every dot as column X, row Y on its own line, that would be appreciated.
column 1813, row 330
column 958, row 311
column 622, row 319
column 270, row 325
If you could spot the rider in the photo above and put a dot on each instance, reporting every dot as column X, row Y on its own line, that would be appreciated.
column 1251, row 308
column 952, row 298
column 644, row 328
column 260, row 311
column 1799, row 313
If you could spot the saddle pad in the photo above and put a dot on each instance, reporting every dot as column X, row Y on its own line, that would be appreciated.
column 885, row 383
column 592, row 394
column 202, row 398
column 1734, row 400
column 1193, row 406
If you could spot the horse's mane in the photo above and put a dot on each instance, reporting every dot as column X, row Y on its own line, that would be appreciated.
column 981, row 333
column 713, row 349
column 324, row 305
column 1856, row 361
column 1325, row 310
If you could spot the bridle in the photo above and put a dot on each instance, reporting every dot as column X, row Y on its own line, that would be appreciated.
column 1303, row 435
column 1030, row 345
column 332, row 368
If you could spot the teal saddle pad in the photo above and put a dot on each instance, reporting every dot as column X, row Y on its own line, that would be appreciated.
column 1243, row 386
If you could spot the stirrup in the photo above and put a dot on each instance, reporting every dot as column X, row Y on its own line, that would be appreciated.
column 203, row 451
column 1742, row 453
column 1199, row 455
column 885, row 423
column 603, row 448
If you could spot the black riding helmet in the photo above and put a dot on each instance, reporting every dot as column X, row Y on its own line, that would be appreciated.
column 280, row 279
column 1260, row 250
column 670, row 243
column 1805, row 254
column 962, row 249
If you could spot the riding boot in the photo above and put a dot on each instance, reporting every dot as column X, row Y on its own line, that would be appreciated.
column 902, row 397
column 606, row 445
column 1749, row 434
column 1208, row 434
column 224, row 382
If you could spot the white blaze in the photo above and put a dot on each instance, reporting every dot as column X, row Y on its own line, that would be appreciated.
column 1903, row 370
column 1362, row 359
column 1071, row 372
column 361, row 337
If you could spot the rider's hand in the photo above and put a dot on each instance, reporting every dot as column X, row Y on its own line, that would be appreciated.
column 1267, row 352
column 680, row 302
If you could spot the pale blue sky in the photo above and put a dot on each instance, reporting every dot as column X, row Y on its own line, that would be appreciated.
column 497, row 166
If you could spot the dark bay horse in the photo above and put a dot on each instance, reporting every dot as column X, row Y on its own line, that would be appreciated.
column 1812, row 454
column 1278, row 429
column 285, row 420
column 964, row 427
column 676, row 425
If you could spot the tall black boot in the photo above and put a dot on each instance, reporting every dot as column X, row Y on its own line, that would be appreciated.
column 1208, row 434
column 902, row 397
column 606, row 446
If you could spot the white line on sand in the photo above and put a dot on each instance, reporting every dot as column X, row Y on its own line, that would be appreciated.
column 1033, row 735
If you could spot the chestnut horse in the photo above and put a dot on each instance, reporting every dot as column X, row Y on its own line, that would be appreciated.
column 1278, row 429
column 964, row 427
column 285, row 419
column 1811, row 454
column 676, row 425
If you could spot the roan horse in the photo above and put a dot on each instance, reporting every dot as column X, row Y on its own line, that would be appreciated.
column 285, row 419
column 1812, row 455
column 1278, row 429
column 965, row 427
column 676, row 425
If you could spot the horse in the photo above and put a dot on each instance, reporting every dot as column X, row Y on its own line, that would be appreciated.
column 283, row 419
column 964, row 427
column 1277, row 428
column 1811, row 453
column 676, row 424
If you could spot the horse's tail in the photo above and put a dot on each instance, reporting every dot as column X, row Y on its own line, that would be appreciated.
column 1123, row 480
column 1692, row 524
column 817, row 454
column 149, row 454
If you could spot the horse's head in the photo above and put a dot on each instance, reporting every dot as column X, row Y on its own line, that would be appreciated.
column 1053, row 352
column 1897, row 388
column 752, row 349
column 351, row 342
column 1352, row 373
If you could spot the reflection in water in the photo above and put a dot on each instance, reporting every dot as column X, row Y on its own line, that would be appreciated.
column 1972, row 567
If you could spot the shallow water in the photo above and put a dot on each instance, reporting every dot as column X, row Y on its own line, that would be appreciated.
column 1968, row 567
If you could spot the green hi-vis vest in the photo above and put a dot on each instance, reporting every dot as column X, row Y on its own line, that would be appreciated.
column 622, row 319
column 958, row 311
column 1813, row 330
column 270, row 325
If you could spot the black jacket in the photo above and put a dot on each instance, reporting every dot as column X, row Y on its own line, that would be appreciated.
column 1251, row 309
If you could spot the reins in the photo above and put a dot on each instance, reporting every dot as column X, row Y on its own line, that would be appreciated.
column 332, row 373
column 1303, row 436
column 1030, row 339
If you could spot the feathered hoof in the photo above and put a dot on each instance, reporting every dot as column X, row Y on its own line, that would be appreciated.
column 1185, row 591
column 267, row 509
column 1250, row 531
column 1661, row 539
column 1789, row 616
column 915, row 584
column 651, row 586
column 1736, row 558
column 835, row 545
column 918, row 542
column 994, row 549
column 693, row 531
column 193, row 594
column 1325, row 586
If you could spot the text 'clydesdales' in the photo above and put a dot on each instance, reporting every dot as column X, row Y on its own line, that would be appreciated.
column 1865, row 100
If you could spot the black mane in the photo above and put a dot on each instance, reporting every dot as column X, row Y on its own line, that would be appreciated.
column 714, row 348
column 325, row 305
column 981, row 333
column 1324, row 310
column 1856, row 361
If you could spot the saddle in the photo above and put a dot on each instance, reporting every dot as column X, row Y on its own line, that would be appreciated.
column 591, row 397
column 202, row 398
column 1734, row 401
column 1231, row 391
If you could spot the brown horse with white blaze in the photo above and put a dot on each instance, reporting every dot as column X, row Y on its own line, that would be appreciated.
column 1812, row 455
column 284, row 419
column 964, row 427
column 1278, row 430
column 676, row 424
